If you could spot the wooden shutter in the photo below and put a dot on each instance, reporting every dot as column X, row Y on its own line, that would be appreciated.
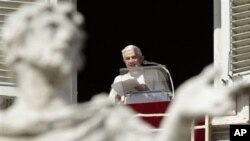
column 240, row 37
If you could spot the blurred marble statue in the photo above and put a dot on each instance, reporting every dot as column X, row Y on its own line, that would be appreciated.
column 42, row 45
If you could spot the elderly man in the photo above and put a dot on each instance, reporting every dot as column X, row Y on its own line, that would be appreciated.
column 42, row 45
column 138, row 79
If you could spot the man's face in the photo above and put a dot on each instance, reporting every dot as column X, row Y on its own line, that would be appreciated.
column 132, row 59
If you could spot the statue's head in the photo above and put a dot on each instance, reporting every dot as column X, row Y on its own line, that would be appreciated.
column 48, row 37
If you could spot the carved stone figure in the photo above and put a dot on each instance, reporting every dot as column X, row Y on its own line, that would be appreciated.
column 42, row 45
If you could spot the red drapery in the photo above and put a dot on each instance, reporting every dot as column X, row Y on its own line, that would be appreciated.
column 161, row 107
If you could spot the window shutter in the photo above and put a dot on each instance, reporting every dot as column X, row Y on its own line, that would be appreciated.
column 240, row 37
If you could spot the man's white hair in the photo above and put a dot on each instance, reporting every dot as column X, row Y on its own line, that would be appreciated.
column 133, row 47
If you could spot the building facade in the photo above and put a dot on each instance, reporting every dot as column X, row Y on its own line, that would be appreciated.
column 232, row 56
